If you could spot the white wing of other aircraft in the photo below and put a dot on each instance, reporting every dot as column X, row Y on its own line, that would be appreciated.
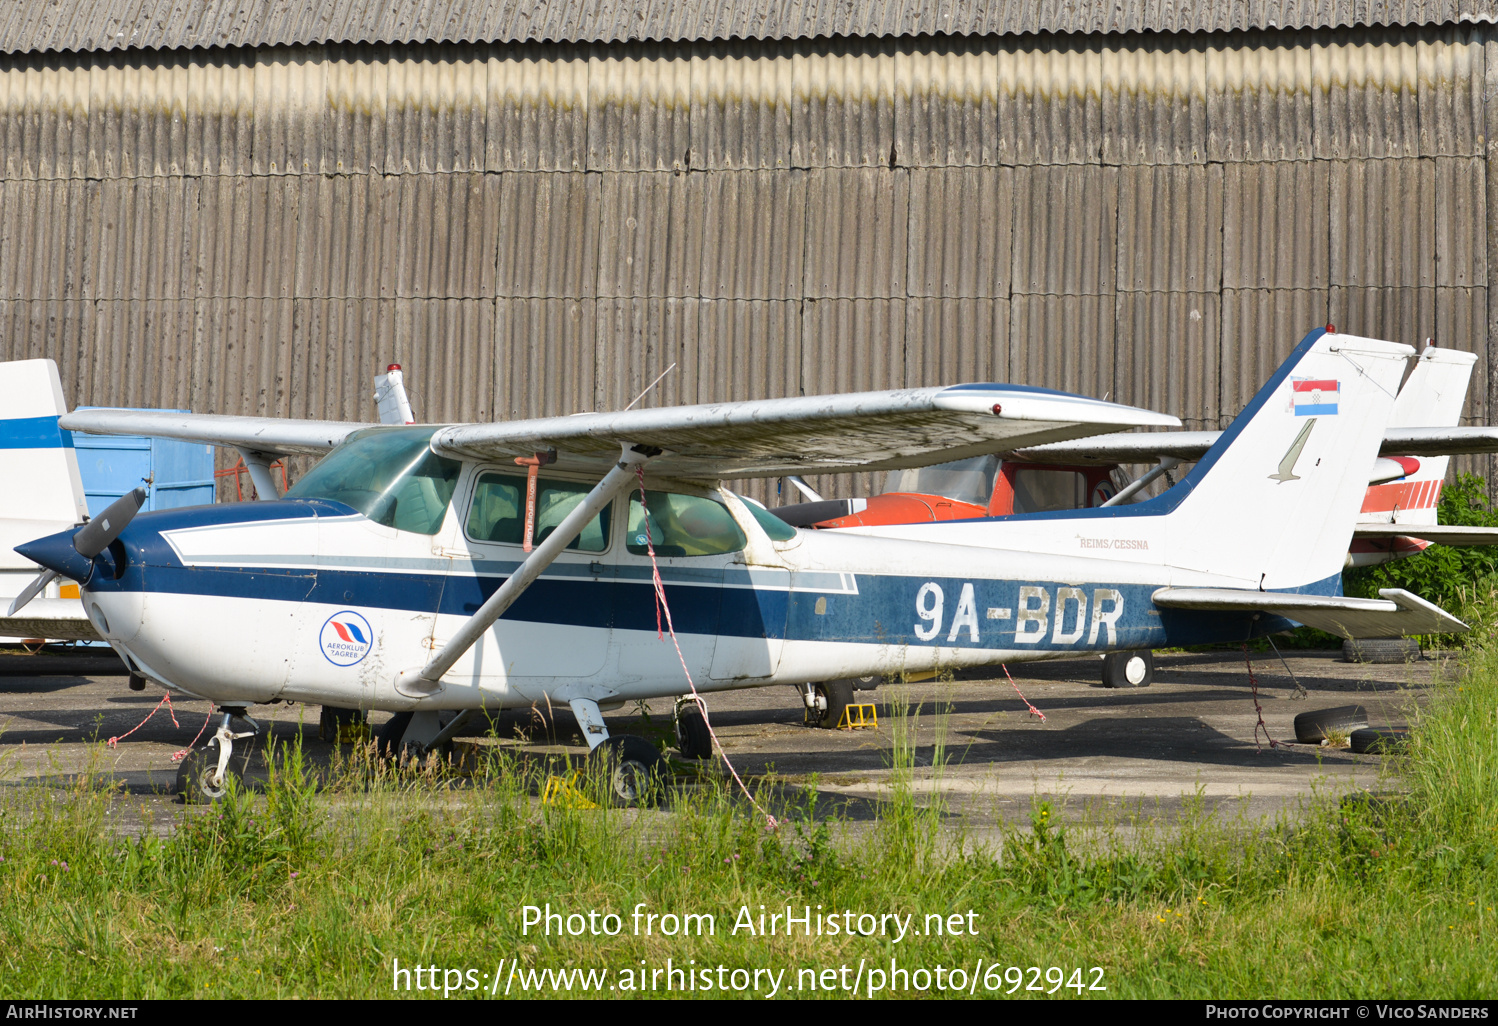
column 1399, row 512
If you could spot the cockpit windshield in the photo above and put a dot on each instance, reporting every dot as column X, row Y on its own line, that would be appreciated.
column 968, row 480
column 390, row 475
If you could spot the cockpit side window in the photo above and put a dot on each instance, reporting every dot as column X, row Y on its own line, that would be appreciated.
column 390, row 475
column 498, row 511
column 682, row 525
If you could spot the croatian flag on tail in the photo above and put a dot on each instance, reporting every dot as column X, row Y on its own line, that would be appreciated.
column 1315, row 398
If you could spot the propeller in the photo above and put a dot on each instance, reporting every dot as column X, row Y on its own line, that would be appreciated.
column 32, row 590
column 88, row 541
column 96, row 535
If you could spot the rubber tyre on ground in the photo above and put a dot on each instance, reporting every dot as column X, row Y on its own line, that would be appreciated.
column 693, row 739
column 1312, row 728
column 1135, row 669
column 1381, row 650
column 635, row 773
column 1379, row 740
column 196, row 771
column 833, row 698
column 332, row 719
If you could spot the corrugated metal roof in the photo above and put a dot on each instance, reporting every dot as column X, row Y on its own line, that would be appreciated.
column 27, row 25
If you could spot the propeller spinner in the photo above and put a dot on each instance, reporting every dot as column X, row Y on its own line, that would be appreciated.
column 86, row 542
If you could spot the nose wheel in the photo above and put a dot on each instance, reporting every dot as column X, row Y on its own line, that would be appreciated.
column 203, row 776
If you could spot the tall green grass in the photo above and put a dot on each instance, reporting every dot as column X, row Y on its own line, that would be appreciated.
column 312, row 885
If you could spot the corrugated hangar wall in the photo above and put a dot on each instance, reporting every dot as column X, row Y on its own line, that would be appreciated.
column 542, row 228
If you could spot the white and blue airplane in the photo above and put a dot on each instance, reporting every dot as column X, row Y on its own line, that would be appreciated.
column 438, row 569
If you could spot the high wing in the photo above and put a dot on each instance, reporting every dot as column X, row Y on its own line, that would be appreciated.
column 756, row 438
column 1398, row 613
column 1193, row 445
column 269, row 435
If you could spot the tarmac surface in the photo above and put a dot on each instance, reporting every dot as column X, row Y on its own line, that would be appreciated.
column 1137, row 756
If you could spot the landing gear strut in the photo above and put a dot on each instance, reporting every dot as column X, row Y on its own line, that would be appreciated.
column 826, row 701
column 203, row 776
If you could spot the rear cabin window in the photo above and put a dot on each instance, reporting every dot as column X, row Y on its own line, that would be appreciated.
column 498, row 512
column 682, row 525
column 1039, row 491
column 968, row 480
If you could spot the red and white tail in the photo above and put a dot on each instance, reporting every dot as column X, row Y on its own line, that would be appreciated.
column 1432, row 396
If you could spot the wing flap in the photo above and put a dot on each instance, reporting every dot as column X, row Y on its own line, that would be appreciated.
column 1396, row 614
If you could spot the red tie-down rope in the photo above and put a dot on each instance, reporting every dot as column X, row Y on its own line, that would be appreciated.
column 1253, row 683
column 661, row 606
column 166, row 700
column 1033, row 711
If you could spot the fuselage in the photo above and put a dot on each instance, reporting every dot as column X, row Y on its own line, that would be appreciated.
column 311, row 600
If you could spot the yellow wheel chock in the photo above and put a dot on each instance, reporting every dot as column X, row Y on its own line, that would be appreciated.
column 862, row 716
column 564, row 794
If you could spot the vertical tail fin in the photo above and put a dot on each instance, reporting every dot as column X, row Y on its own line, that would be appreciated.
column 1274, row 501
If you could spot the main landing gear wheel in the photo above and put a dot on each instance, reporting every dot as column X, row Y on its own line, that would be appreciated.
column 1129, row 669
column 388, row 738
column 830, row 699
column 634, row 772
column 203, row 775
column 405, row 740
column 341, row 726
column 693, row 740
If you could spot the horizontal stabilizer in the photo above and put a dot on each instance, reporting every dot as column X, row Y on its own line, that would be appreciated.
column 60, row 618
column 1443, row 534
column 1396, row 614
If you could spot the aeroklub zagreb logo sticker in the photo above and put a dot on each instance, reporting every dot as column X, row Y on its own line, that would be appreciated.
column 346, row 638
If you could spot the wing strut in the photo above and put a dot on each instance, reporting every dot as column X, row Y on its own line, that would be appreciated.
column 618, row 479
column 258, row 464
